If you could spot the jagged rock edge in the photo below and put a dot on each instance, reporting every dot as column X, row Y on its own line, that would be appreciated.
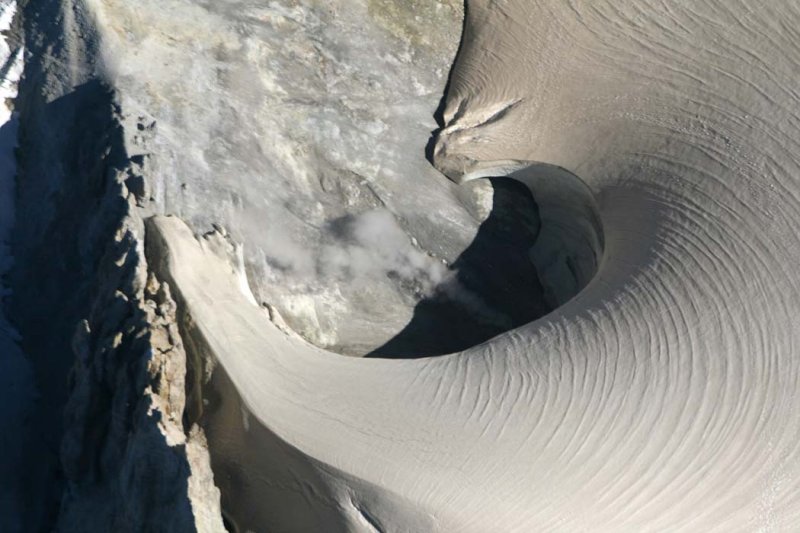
column 131, row 347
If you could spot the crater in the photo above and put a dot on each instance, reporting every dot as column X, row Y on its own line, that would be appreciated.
column 539, row 245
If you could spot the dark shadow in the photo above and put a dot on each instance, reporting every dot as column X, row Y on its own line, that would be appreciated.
column 93, row 453
column 62, row 176
column 495, row 286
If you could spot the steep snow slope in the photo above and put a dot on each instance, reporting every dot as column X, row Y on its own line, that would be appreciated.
column 663, row 397
column 283, row 133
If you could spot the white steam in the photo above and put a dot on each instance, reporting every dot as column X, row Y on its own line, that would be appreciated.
column 369, row 248
column 373, row 245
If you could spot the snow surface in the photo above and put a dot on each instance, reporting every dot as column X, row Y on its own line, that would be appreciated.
column 662, row 398
column 16, row 379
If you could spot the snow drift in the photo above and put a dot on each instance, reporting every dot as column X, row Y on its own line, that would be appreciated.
column 661, row 397
column 659, row 145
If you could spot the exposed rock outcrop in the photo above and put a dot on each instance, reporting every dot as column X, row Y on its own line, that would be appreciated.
column 129, row 462
column 84, row 300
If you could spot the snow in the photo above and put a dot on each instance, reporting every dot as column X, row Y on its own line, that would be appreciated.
column 660, row 398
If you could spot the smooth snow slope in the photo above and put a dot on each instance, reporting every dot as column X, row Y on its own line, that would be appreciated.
column 16, row 380
column 663, row 397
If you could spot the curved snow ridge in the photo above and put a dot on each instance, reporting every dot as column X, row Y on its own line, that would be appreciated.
column 593, row 412
column 661, row 397
column 682, row 122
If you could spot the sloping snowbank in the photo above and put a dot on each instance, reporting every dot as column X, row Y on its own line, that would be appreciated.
column 662, row 398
